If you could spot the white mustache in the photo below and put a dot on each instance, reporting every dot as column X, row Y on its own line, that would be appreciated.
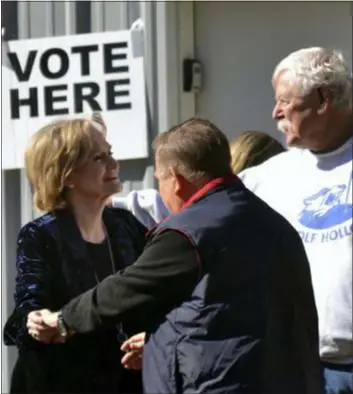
column 283, row 125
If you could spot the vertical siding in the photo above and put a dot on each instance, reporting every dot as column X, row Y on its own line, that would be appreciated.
column 9, row 19
column 10, row 218
column 45, row 19
column 11, row 224
column 109, row 16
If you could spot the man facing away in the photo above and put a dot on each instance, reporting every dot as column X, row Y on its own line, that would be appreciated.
column 223, row 285
column 312, row 188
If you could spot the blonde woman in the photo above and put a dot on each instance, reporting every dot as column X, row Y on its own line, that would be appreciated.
column 66, row 252
column 252, row 148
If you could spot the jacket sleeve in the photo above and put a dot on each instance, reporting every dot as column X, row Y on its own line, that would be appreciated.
column 163, row 276
column 31, row 287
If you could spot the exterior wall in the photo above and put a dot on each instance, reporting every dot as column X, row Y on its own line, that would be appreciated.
column 42, row 19
column 11, row 223
column 239, row 44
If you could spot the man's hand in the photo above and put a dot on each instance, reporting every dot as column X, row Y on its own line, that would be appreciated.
column 50, row 318
column 134, row 349
column 41, row 327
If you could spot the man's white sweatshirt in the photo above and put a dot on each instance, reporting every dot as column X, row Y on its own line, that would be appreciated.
column 314, row 193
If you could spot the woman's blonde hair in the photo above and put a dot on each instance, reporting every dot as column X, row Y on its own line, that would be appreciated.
column 252, row 148
column 54, row 152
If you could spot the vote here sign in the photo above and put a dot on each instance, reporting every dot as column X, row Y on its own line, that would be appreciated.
column 73, row 76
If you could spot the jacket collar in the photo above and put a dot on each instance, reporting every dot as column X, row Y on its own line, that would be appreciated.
column 209, row 187
column 206, row 189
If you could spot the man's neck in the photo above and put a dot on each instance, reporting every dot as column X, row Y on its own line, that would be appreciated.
column 89, row 218
column 341, row 132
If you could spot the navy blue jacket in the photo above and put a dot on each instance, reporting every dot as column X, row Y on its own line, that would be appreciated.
column 250, row 326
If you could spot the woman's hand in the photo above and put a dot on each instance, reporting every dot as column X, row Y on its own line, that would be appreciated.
column 134, row 349
column 40, row 330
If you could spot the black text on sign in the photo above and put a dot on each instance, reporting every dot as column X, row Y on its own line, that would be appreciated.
column 54, row 65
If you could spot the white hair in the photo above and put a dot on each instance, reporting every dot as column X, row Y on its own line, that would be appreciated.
column 315, row 67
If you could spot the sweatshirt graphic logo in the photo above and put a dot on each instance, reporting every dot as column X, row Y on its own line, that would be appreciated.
column 327, row 208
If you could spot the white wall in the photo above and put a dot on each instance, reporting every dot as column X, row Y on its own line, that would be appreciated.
column 239, row 44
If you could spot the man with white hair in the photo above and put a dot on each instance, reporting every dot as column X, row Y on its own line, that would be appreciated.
column 311, row 186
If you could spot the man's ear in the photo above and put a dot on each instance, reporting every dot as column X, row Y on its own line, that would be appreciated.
column 179, row 182
column 325, row 97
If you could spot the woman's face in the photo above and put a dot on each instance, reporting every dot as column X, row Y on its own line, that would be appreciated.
column 98, row 178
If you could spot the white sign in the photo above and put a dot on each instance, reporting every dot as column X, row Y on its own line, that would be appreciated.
column 50, row 78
